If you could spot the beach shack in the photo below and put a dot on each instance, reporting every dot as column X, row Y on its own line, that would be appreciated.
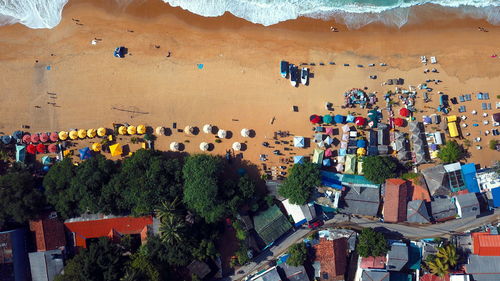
column 452, row 126
column 300, row 213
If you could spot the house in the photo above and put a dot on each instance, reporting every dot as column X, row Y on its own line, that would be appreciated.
column 373, row 262
column 13, row 256
column 46, row 265
column 432, row 277
column 397, row 257
column 83, row 231
column 436, row 180
column 470, row 177
column 483, row 268
column 417, row 212
column 332, row 258
column 271, row 224
column 270, row 274
column 336, row 233
column 486, row 244
column 293, row 273
column 455, row 178
column 361, row 201
column 395, row 200
column 300, row 213
column 199, row 269
column 369, row 275
column 417, row 140
column 48, row 231
column 467, row 205
column 487, row 179
column 400, row 146
column 417, row 189
column 443, row 209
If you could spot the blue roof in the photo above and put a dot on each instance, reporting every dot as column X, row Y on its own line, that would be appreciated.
column 84, row 153
column 495, row 192
column 331, row 179
column 361, row 143
column 298, row 160
column 469, row 172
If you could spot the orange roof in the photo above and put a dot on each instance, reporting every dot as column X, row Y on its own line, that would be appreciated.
column 420, row 192
column 373, row 262
column 486, row 244
column 112, row 228
column 49, row 232
column 432, row 277
column 332, row 255
column 395, row 200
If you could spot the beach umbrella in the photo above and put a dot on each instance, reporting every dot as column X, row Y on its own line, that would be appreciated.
column 82, row 133
column 31, row 149
column 318, row 129
column 245, row 133
column 203, row 146
column 160, row 131
column 298, row 159
column 116, row 149
column 52, row 148
column 427, row 120
column 373, row 114
column 350, row 118
column 315, row 119
column 328, row 119
column 84, row 153
column 44, row 137
column 237, row 146
column 35, row 138
column 63, row 135
column 17, row 135
column 361, row 151
column 361, row 143
column 329, row 130
column 207, row 128
column 122, row 130
column 101, row 132
column 46, row 160
column 399, row 122
column 328, row 140
column 327, row 162
column 141, row 129
column 360, row 121
column 53, row 136
column 328, row 152
column 188, row 130
column 346, row 128
column 96, row 147
column 339, row 167
column 40, row 148
column 174, row 146
column 27, row 138
column 6, row 139
column 339, row 119
column 73, row 135
column 221, row 134
column 404, row 112
column 131, row 130
column 91, row 133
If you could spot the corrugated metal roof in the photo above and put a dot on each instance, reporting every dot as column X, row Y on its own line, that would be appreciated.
column 271, row 224
column 46, row 265
column 483, row 268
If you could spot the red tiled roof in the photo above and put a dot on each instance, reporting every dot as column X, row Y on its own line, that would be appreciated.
column 107, row 228
column 49, row 232
column 420, row 192
column 332, row 255
column 373, row 262
column 431, row 277
column 395, row 200
column 486, row 244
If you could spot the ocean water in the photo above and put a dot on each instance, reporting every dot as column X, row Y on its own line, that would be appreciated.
column 354, row 13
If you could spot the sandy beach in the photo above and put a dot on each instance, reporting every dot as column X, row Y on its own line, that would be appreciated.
column 239, row 85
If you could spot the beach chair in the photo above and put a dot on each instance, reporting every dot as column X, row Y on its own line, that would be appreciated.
column 464, row 109
column 461, row 98
column 489, row 105
column 479, row 96
column 433, row 60
column 486, row 96
column 484, row 106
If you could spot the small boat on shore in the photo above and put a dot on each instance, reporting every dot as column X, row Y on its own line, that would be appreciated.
column 304, row 76
column 284, row 68
column 294, row 75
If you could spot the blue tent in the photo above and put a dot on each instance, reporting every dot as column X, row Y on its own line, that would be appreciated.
column 46, row 160
column 84, row 153
column 17, row 135
column 298, row 160
column 327, row 162
column 350, row 118
column 361, row 143
column 20, row 153
column 340, row 119
column 6, row 139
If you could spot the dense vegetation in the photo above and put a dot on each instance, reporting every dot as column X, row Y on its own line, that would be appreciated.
column 298, row 254
column 371, row 243
column 379, row 168
column 451, row 152
column 445, row 260
column 301, row 182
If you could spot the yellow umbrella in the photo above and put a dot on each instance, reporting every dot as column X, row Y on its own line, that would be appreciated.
column 361, row 151
column 73, row 135
column 131, row 130
column 122, row 130
column 63, row 135
column 96, row 147
column 141, row 129
column 116, row 149
column 101, row 132
column 82, row 133
column 91, row 133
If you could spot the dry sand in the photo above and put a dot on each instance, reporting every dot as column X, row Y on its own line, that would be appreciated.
column 239, row 86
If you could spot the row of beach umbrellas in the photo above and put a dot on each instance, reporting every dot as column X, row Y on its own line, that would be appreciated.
column 204, row 146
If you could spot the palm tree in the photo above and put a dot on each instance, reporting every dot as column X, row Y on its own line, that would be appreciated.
column 168, row 209
column 171, row 230
column 438, row 267
column 448, row 254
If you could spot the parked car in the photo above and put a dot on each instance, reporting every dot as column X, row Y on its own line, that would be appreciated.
column 315, row 224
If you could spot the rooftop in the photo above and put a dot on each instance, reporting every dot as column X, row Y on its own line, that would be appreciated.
column 294, row 273
column 467, row 205
column 46, row 265
column 443, row 209
column 271, row 224
column 368, row 275
column 486, row 244
column 373, row 262
column 417, row 212
column 49, row 232
column 397, row 257
column 436, row 180
column 395, row 200
column 483, row 268
column 361, row 201
column 332, row 255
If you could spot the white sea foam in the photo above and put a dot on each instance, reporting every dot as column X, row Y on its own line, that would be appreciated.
column 32, row 13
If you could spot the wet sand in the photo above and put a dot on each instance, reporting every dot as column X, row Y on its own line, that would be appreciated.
column 239, row 85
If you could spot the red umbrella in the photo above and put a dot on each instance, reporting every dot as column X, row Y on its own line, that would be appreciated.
column 31, row 148
column 35, row 138
column 44, row 137
column 315, row 119
column 399, row 122
column 360, row 121
column 52, row 148
column 40, row 148
column 404, row 112
column 54, row 136
column 27, row 138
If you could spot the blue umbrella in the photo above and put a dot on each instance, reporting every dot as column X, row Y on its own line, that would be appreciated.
column 17, row 135
column 84, row 153
column 6, row 139
column 298, row 160
column 361, row 143
column 350, row 118
column 327, row 162
column 45, row 168
column 339, row 119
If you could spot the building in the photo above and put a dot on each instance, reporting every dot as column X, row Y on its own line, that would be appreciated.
column 332, row 258
column 361, row 201
column 467, row 205
column 271, row 224
column 483, row 268
column 418, row 142
column 436, row 180
column 456, row 180
column 397, row 257
column 373, row 262
column 443, row 209
column 487, row 179
column 395, row 200
column 270, row 274
column 85, row 231
column 470, row 177
column 300, row 213
column 495, row 194
column 417, row 212
column 486, row 244
column 400, row 146
column 369, row 275
column 49, row 232
column 293, row 273
column 46, row 265
column 13, row 256
column 418, row 190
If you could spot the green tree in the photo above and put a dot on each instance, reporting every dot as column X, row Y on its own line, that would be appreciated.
column 242, row 255
column 451, row 152
column 371, row 243
column 58, row 191
column 438, row 267
column 299, row 185
column 298, row 254
column 246, row 187
column 379, row 168
column 172, row 230
column 19, row 198
column 448, row 255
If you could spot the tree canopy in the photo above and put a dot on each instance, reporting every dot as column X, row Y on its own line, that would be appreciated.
column 299, row 185
column 379, row 168
column 451, row 152
column 371, row 243
column 298, row 254
column 58, row 191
